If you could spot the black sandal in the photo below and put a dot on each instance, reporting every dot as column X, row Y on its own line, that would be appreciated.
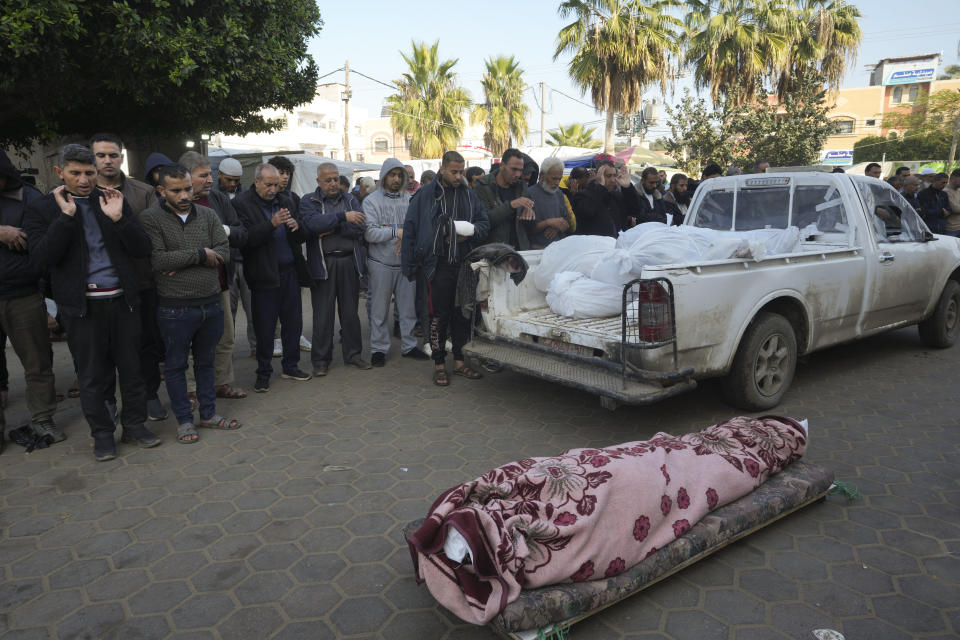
column 440, row 378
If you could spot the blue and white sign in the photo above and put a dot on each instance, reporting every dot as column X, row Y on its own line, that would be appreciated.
column 910, row 72
column 838, row 157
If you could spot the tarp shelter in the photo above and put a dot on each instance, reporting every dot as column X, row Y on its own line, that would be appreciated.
column 539, row 154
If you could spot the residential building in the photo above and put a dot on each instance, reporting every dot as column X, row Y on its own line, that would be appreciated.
column 895, row 84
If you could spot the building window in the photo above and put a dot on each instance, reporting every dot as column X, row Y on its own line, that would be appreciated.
column 871, row 123
column 333, row 155
column 380, row 145
column 897, row 96
column 893, row 135
column 844, row 125
column 912, row 92
column 332, row 125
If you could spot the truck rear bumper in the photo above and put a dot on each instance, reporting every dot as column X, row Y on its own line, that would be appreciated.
column 593, row 375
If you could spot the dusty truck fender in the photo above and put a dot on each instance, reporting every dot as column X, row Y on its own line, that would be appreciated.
column 788, row 303
column 953, row 274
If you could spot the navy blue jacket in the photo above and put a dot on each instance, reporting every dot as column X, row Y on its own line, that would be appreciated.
column 319, row 223
column 420, row 227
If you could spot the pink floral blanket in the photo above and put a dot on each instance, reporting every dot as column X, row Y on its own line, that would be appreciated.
column 590, row 513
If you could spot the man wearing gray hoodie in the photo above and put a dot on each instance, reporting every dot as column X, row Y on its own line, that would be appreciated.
column 385, row 210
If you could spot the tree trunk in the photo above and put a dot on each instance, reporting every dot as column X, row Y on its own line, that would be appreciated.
column 608, row 133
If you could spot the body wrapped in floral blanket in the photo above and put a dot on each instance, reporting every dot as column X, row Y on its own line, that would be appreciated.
column 589, row 513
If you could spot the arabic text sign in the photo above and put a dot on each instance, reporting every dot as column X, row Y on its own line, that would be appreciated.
column 910, row 72
column 838, row 157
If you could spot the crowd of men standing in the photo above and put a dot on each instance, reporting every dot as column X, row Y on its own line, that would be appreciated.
column 934, row 196
column 146, row 277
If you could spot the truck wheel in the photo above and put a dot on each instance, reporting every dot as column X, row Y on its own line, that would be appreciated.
column 764, row 365
column 940, row 329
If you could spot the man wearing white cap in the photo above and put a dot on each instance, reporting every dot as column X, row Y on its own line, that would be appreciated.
column 229, row 173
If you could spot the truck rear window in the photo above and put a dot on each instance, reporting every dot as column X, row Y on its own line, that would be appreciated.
column 756, row 208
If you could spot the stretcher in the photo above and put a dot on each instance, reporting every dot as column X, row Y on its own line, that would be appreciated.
column 549, row 611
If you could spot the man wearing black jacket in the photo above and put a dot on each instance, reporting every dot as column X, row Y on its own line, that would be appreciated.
column 275, row 269
column 650, row 200
column 600, row 210
column 23, row 317
column 87, row 240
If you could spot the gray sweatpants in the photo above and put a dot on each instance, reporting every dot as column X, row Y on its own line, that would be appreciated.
column 383, row 283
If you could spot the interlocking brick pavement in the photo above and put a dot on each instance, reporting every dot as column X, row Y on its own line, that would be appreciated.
column 290, row 527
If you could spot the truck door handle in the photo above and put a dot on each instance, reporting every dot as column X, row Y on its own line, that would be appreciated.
column 887, row 257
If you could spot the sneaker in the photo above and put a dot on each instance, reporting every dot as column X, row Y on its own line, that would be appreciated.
column 48, row 428
column 296, row 374
column 416, row 354
column 305, row 344
column 321, row 369
column 378, row 359
column 262, row 385
column 426, row 349
column 104, row 448
column 156, row 410
column 277, row 348
column 360, row 363
column 140, row 435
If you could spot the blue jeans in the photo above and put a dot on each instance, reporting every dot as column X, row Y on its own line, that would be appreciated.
column 184, row 328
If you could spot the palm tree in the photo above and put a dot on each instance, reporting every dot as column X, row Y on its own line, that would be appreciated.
column 619, row 47
column 734, row 45
column 429, row 105
column 573, row 135
column 504, row 112
column 824, row 40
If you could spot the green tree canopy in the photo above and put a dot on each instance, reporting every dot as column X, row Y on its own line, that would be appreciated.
column 429, row 106
column 901, row 148
column 152, row 67
column 504, row 113
column 739, row 47
column 573, row 135
column 619, row 48
column 788, row 133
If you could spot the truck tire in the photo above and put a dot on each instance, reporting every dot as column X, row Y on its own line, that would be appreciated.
column 764, row 365
column 940, row 329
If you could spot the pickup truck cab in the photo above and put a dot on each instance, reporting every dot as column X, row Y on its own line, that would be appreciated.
column 866, row 263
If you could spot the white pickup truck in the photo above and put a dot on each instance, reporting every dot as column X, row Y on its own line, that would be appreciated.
column 866, row 264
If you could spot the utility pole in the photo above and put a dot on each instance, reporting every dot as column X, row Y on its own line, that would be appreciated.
column 543, row 114
column 346, row 111
column 953, row 144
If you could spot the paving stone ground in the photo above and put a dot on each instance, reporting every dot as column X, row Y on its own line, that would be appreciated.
column 290, row 527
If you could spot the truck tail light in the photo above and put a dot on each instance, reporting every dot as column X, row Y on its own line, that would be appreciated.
column 656, row 319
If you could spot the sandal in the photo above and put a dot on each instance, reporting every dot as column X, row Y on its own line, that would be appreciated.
column 468, row 373
column 232, row 393
column 217, row 421
column 74, row 391
column 440, row 378
column 187, row 433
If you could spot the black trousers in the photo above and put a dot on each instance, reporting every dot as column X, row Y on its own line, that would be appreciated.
column 151, row 343
column 104, row 340
column 340, row 292
column 444, row 315
column 270, row 305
